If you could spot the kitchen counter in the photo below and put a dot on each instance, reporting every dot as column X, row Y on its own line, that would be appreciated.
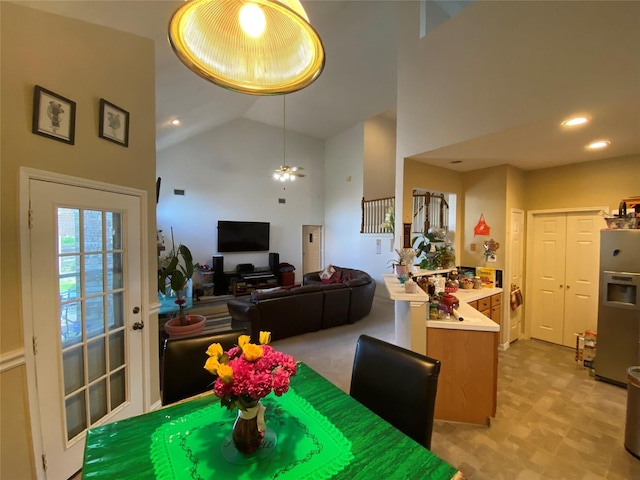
column 467, row 350
column 473, row 319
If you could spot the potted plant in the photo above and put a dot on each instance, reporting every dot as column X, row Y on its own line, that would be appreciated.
column 434, row 256
column 176, row 273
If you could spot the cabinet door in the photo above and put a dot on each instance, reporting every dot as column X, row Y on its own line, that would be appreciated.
column 484, row 304
column 474, row 304
column 496, row 314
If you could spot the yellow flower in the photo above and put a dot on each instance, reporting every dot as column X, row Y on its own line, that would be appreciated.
column 243, row 340
column 212, row 365
column 225, row 373
column 252, row 352
column 265, row 337
column 215, row 350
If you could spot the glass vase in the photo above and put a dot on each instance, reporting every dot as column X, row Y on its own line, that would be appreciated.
column 249, row 428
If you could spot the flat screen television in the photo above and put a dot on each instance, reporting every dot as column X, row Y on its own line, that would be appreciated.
column 243, row 236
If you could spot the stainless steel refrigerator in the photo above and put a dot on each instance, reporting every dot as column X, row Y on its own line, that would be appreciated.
column 618, row 346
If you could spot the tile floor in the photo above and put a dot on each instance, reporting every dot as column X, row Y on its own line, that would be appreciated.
column 553, row 420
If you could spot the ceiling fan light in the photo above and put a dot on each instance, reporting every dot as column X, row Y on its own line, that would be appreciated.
column 262, row 47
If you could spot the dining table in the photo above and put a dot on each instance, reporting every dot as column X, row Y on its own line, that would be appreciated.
column 314, row 431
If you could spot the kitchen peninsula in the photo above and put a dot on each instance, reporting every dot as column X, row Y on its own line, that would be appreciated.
column 467, row 349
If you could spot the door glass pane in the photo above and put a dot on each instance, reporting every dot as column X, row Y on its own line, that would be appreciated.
column 98, row 400
column 116, row 350
column 93, row 270
column 68, row 230
column 91, row 287
column 75, row 409
column 115, row 309
column 118, row 392
column 92, row 231
column 114, row 271
column 96, row 359
column 114, row 231
column 70, row 323
column 69, row 276
column 73, row 365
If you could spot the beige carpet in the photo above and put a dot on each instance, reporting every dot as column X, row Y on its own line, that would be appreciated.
column 554, row 421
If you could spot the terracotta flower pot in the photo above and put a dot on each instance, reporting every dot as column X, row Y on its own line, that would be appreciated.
column 195, row 326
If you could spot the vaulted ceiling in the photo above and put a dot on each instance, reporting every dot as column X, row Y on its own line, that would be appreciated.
column 359, row 81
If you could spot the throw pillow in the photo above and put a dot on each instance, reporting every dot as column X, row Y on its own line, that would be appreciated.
column 327, row 272
column 336, row 277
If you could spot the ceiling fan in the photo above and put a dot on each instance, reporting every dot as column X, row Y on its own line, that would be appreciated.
column 285, row 172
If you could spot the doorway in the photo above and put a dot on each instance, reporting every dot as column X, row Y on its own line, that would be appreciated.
column 311, row 248
column 84, row 342
column 563, row 274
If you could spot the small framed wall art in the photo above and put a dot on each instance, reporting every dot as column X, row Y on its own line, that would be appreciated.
column 53, row 115
column 114, row 123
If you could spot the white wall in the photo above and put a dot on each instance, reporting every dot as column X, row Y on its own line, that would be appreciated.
column 379, row 157
column 227, row 175
column 344, row 245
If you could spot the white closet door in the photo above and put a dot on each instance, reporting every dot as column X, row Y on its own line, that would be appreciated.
column 582, row 275
column 549, row 278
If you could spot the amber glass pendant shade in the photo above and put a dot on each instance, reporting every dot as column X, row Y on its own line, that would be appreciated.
column 258, row 47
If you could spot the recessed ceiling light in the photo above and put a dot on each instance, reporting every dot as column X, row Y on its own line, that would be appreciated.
column 175, row 122
column 598, row 144
column 572, row 122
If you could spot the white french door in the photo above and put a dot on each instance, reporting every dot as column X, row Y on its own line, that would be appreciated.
column 85, row 277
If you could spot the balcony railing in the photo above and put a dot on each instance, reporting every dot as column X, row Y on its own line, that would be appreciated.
column 373, row 214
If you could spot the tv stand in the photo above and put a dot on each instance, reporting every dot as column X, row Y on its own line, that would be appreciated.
column 245, row 283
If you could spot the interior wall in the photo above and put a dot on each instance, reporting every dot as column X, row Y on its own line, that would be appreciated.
column 80, row 62
column 588, row 184
column 418, row 174
column 485, row 194
column 379, row 157
column 234, row 165
column 471, row 76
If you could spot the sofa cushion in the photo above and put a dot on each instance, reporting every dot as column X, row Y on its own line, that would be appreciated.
column 334, row 286
column 305, row 289
column 258, row 296
column 355, row 282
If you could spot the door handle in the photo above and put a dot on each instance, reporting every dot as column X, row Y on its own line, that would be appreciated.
column 138, row 325
column 568, row 287
column 136, row 309
column 561, row 285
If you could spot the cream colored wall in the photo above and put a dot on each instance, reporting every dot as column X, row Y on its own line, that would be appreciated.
column 84, row 63
column 588, row 184
column 420, row 175
column 379, row 157
column 485, row 193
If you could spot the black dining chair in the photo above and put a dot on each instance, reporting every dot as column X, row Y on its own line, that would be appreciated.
column 397, row 384
column 183, row 359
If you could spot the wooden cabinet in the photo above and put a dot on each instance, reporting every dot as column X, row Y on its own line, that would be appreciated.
column 490, row 307
column 468, row 380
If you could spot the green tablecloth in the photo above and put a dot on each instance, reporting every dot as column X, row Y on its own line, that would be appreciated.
column 140, row 447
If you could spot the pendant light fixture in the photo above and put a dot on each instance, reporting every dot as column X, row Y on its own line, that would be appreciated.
column 258, row 47
column 285, row 172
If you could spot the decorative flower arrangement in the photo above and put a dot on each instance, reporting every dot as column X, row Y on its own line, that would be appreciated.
column 249, row 372
column 389, row 220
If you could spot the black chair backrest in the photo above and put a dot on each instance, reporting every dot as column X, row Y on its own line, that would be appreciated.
column 397, row 384
column 183, row 373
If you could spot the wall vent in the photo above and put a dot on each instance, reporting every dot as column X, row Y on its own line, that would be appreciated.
column 282, row 200
column 177, row 191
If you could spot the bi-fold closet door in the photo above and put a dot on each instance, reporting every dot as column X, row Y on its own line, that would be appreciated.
column 565, row 266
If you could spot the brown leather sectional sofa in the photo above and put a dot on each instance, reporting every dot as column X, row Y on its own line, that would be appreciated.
column 308, row 308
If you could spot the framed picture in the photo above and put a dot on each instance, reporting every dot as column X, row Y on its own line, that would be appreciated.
column 53, row 115
column 114, row 123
